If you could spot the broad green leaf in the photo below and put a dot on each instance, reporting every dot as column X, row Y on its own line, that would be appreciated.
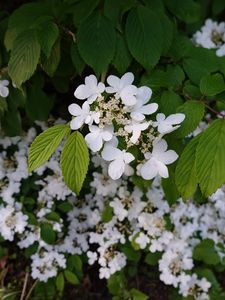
column 96, row 40
column 60, row 282
column 24, row 57
column 170, row 189
column 71, row 277
column 11, row 122
column 218, row 6
column 74, row 161
column 185, row 175
column 138, row 295
column 188, row 11
column 152, row 259
column 48, row 33
column 45, row 144
column 50, row 64
column 47, row 233
column 210, row 85
column 3, row 106
column 194, row 112
column 78, row 62
column 82, row 9
column 180, row 47
column 168, row 30
column 205, row 251
column 210, row 158
column 169, row 102
column 144, row 35
column 122, row 58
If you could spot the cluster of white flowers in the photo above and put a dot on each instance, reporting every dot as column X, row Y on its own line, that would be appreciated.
column 211, row 36
column 111, row 215
column 118, row 118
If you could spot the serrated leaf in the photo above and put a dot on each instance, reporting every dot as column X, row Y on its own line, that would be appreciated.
column 47, row 36
column 11, row 122
column 144, row 36
column 210, row 158
column 74, row 161
column 60, row 282
column 96, row 40
column 169, row 102
column 185, row 175
column 82, row 9
column 50, row 64
column 122, row 57
column 24, row 57
column 78, row 62
column 45, row 144
column 47, row 233
column 205, row 251
column 194, row 112
column 211, row 85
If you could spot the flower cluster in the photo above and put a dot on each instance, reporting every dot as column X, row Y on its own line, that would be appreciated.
column 118, row 118
column 211, row 36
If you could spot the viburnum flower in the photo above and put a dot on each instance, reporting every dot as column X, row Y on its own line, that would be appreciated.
column 4, row 90
column 119, row 159
column 140, row 109
column 166, row 125
column 97, row 135
column 82, row 115
column 136, row 128
column 157, row 161
column 90, row 90
column 123, row 88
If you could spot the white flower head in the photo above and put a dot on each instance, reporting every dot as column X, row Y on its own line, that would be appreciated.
column 4, row 90
column 123, row 88
column 119, row 159
column 166, row 125
column 91, row 90
column 141, row 108
column 157, row 161
column 136, row 128
column 97, row 136
column 82, row 115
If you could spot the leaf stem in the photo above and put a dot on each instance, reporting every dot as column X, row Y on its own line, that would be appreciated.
column 24, row 286
column 31, row 290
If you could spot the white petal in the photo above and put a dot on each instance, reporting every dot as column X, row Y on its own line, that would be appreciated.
column 149, row 108
column 76, row 123
column 91, row 81
column 4, row 82
column 110, row 153
column 75, row 109
column 137, row 116
column 159, row 147
column 116, row 169
column 167, row 157
column 164, row 128
column 110, row 90
column 160, row 117
column 82, row 92
column 4, row 91
column 95, row 129
column 92, row 98
column 101, row 87
column 114, row 82
column 128, row 157
column 149, row 170
column 94, row 141
column 127, row 79
column 144, row 93
column 163, row 170
column 127, row 95
column 175, row 118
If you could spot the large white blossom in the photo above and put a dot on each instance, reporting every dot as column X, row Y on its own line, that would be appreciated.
column 97, row 136
column 169, row 124
column 4, row 90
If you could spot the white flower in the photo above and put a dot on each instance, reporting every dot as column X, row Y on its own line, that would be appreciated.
column 136, row 128
column 142, row 240
column 118, row 209
column 92, row 257
column 157, row 161
column 91, row 90
column 165, row 125
column 123, row 88
column 140, row 109
column 97, row 135
column 4, row 91
column 82, row 115
column 119, row 159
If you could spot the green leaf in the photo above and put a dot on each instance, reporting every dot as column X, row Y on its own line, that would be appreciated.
column 144, row 36
column 47, row 36
column 218, row 6
column 78, row 62
column 169, row 102
column 167, row 27
column 152, row 259
column 122, row 58
column 45, row 144
column 74, row 161
column 210, row 158
column 194, row 112
column 11, row 122
column 107, row 214
column 205, row 251
column 82, row 9
column 60, row 282
column 47, row 233
column 185, row 175
column 71, row 277
column 24, row 57
column 170, row 189
column 50, row 64
column 210, row 85
column 3, row 106
column 96, row 40
column 138, row 295
column 188, row 11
